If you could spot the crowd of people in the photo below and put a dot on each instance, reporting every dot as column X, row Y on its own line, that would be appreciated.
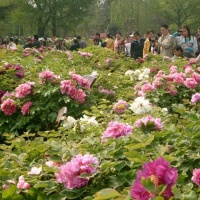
column 169, row 46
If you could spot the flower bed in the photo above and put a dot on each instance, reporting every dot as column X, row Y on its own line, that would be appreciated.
column 133, row 135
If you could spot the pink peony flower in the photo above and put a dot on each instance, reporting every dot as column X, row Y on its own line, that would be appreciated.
column 84, row 82
column 47, row 75
column 9, row 106
column 149, row 123
column 173, row 69
column 196, row 176
column 116, row 130
column 66, row 86
column 70, row 172
column 196, row 77
column 160, row 173
column 80, row 96
column 120, row 106
column 22, row 184
column 190, row 83
column 179, row 78
column 105, row 91
column 23, row 90
column 25, row 109
column 189, row 70
column 195, row 98
column 171, row 89
column 147, row 88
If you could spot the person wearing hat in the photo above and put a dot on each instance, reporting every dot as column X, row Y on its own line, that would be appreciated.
column 137, row 46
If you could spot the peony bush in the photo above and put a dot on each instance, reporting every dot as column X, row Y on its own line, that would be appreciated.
column 133, row 135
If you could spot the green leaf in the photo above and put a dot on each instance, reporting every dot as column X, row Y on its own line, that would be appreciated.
column 191, row 196
column 10, row 192
column 107, row 193
column 149, row 185
column 177, row 193
column 57, row 197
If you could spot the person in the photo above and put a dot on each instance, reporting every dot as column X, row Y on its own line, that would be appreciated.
column 198, row 32
column 149, row 44
column 178, row 52
column 2, row 45
column 28, row 43
column 75, row 45
column 177, row 33
column 82, row 43
column 109, row 42
column 137, row 46
column 165, row 42
column 35, row 42
column 98, row 39
column 187, row 42
column 198, row 43
column 119, row 44
column 127, row 42
column 11, row 44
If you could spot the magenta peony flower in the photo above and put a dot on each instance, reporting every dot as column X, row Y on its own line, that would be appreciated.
column 196, row 176
column 9, row 106
column 149, row 123
column 120, row 106
column 195, row 98
column 190, row 83
column 116, row 130
column 23, row 90
column 22, row 184
column 1, row 95
column 25, row 109
column 70, row 172
column 160, row 173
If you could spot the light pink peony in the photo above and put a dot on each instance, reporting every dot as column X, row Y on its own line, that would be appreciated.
column 9, row 106
column 47, row 75
column 25, row 109
column 195, row 98
column 196, row 176
column 196, row 77
column 120, row 106
column 116, row 130
column 70, row 172
column 143, row 122
column 23, row 90
column 190, row 83
column 35, row 171
column 179, row 78
column 147, row 88
column 22, row 184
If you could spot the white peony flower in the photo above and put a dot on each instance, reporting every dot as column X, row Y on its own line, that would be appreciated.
column 35, row 171
column 140, row 106
column 86, row 122
column 94, row 73
column 69, row 122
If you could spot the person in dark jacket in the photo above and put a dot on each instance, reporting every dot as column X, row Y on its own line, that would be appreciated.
column 137, row 46
column 36, row 42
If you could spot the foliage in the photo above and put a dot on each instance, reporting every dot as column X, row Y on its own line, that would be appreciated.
column 119, row 159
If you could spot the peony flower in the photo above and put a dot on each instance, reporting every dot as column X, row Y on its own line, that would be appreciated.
column 70, row 173
column 23, row 90
column 25, row 109
column 140, row 106
column 147, row 87
column 196, row 176
column 22, row 184
column 105, row 91
column 149, row 123
column 120, row 106
column 116, row 130
column 179, row 78
column 9, row 106
column 83, row 82
column 190, row 83
column 160, row 173
column 47, row 75
column 69, row 122
column 195, row 98
column 35, row 171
